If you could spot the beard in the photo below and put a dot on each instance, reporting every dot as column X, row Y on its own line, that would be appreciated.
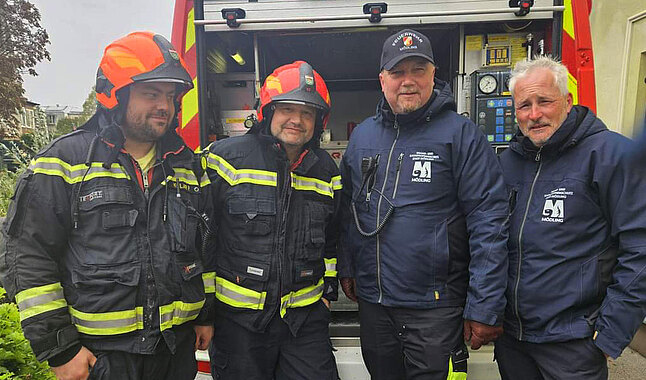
column 144, row 128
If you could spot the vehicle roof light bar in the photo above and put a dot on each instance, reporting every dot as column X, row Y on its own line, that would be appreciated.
column 558, row 8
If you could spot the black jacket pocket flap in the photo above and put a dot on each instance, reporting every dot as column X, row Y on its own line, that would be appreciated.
column 93, row 197
column 252, row 206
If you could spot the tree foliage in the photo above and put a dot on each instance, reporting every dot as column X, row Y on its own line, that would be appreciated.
column 23, row 44
column 17, row 361
column 68, row 124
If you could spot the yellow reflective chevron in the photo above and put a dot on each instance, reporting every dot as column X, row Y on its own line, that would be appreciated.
column 177, row 313
column 238, row 296
column 330, row 267
column 237, row 176
column 209, row 282
column 41, row 299
column 317, row 185
column 72, row 174
column 302, row 297
column 109, row 323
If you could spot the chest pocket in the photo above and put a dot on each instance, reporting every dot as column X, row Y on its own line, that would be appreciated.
column 106, row 232
column 183, row 223
column 251, row 221
column 316, row 222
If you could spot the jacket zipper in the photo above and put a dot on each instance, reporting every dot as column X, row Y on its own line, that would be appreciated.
column 383, row 188
column 399, row 165
column 520, row 240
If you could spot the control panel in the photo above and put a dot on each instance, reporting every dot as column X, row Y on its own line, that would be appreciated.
column 492, row 107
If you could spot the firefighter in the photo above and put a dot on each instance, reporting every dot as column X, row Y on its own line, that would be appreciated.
column 101, row 249
column 577, row 245
column 276, row 196
column 424, row 235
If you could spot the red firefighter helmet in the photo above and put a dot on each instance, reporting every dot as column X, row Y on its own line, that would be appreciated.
column 295, row 83
column 139, row 57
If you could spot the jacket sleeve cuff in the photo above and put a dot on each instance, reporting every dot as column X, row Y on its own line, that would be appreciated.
column 482, row 316
column 331, row 290
column 606, row 344
column 65, row 356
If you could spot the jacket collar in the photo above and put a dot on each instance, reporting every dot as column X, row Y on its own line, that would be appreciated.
column 441, row 99
column 578, row 124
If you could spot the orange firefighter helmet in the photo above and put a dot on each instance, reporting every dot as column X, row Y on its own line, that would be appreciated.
column 295, row 83
column 139, row 57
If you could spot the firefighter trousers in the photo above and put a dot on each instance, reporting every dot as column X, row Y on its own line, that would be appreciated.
column 578, row 359
column 413, row 344
column 162, row 365
column 238, row 353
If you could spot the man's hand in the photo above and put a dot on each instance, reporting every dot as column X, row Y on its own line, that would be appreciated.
column 78, row 368
column 480, row 334
column 203, row 335
column 349, row 287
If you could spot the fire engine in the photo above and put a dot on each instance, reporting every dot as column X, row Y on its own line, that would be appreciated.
column 231, row 46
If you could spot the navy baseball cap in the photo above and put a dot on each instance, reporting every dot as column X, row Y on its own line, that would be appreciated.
column 404, row 44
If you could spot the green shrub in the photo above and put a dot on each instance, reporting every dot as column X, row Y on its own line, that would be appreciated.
column 17, row 361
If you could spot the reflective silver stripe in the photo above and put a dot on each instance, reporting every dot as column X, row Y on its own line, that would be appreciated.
column 186, row 175
column 330, row 268
column 75, row 173
column 41, row 299
column 179, row 313
column 302, row 297
column 234, row 295
column 108, row 324
column 312, row 184
column 336, row 183
column 237, row 176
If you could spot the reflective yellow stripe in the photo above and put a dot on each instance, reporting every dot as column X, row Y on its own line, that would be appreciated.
column 314, row 184
column 330, row 267
column 237, row 176
column 209, row 282
column 71, row 174
column 177, row 313
column 302, row 297
column 41, row 299
column 455, row 375
column 108, row 323
column 238, row 296
column 186, row 176
column 568, row 19
column 190, row 30
column 189, row 104
column 573, row 88
column 336, row 183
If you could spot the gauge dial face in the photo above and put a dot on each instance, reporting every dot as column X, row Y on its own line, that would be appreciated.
column 488, row 84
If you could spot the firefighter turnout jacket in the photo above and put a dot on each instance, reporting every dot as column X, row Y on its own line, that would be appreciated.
column 99, row 255
column 276, row 229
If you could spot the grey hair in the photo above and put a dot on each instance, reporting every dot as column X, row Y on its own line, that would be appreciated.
column 559, row 70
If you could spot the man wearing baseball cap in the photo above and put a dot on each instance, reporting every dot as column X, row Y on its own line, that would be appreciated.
column 424, row 247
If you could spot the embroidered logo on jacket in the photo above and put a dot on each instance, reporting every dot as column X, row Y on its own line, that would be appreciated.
column 422, row 171
column 91, row 196
column 554, row 208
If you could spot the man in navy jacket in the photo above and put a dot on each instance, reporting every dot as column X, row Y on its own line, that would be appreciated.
column 425, row 242
column 577, row 241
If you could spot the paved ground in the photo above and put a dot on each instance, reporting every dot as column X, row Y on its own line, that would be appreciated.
column 630, row 366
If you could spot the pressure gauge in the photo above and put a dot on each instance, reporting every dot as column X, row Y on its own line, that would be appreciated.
column 488, row 84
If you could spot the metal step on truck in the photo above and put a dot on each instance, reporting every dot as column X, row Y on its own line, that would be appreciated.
column 231, row 46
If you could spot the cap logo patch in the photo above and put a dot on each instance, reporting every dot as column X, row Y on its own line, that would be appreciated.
column 174, row 55
column 309, row 80
column 408, row 40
